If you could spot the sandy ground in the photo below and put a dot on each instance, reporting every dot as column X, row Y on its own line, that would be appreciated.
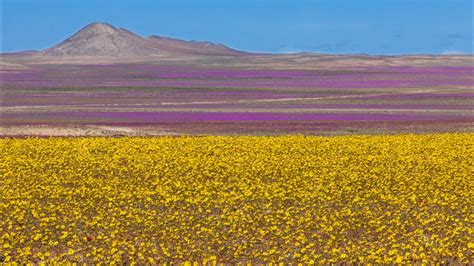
column 260, row 128
column 262, row 61
column 72, row 131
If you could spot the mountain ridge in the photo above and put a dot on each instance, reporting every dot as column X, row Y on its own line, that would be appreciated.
column 170, row 44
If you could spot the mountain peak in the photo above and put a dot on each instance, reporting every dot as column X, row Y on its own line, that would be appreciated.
column 99, row 27
column 103, row 39
column 99, row 24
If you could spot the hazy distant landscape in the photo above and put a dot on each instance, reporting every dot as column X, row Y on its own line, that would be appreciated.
column 435, row 98
column 109, row 78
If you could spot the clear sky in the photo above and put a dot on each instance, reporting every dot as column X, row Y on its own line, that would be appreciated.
column 327, row 26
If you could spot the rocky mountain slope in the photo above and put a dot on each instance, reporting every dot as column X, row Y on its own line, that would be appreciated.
column 102, row 39
column 191, row 47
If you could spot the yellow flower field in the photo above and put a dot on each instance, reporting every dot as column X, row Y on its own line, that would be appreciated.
column 357, row 199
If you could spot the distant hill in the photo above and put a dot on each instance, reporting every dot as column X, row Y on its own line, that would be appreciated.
column 102, row 39
column 172, row 45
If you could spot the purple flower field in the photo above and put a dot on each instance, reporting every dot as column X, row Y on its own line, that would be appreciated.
column 157, row 117
column 160, row 76
column 196, row 99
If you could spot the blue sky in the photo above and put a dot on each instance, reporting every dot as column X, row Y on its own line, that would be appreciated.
column 327, row 26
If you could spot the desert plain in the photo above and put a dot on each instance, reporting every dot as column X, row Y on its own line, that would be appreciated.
column 201, row 88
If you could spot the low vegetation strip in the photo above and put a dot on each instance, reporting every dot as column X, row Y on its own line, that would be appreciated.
column 288, row 199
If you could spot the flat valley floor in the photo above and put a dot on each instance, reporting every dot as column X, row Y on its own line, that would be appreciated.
column 255, row 95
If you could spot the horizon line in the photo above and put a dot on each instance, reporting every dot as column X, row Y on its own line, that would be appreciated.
column 281, row 52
